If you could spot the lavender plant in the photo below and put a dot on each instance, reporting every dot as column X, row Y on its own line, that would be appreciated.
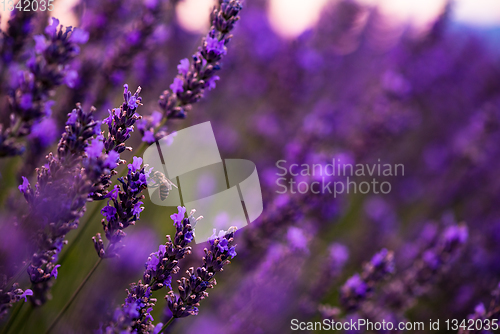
column 488, row 316
column 194, row 77
column 11, row 296
column 358, row 88
column 47, row 68
column 60, row 195
column 120, row 124
column 359, row 287
column 135, row 314
column 125, row 209
column 192, row 289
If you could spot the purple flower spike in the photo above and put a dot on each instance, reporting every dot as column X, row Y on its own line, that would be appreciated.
column 47, row 68
column 61, row 193
column 135, row 313
column 120, row 124
column 193, row 288
column 360, row 286
column 123, row 208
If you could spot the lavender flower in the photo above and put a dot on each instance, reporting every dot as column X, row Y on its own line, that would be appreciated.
column 120, row 124
column 356, row 86
column 359, row 287
column 65, row 184
column 192, row 289
column 402, row 292
column 135, row 314
column 10, row 296
column 125, row 209
column 147, row 127
column 481, row 313
column 162, row 264
column 188, row 87
column 20, row 27
column 60, row 195
column 29, row 97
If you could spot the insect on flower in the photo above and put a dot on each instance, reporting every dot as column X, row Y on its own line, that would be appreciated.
column 163, row 183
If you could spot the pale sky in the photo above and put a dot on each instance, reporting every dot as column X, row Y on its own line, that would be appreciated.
column 291, row 17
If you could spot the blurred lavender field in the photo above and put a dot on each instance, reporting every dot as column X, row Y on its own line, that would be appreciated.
column 356, row 89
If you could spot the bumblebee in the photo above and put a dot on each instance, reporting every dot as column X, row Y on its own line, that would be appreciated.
column 163, row 183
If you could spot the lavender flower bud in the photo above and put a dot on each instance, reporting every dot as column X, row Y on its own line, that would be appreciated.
column 192, row 289
column 19, row 29
column 134, row 316
column 58, row 200
column 135, row 312
column 47, row 69
column 193, row 78
column 11, row 296
column 359, row 287
column 162, row 264
column 125, row 209
column 120, row 124
column 481, row 313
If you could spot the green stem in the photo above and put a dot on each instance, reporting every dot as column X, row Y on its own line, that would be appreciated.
column 73, row 297
column 166, row 325
column 16, row 127
column 12, row 318
column 79, row 235
column 22, row 321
